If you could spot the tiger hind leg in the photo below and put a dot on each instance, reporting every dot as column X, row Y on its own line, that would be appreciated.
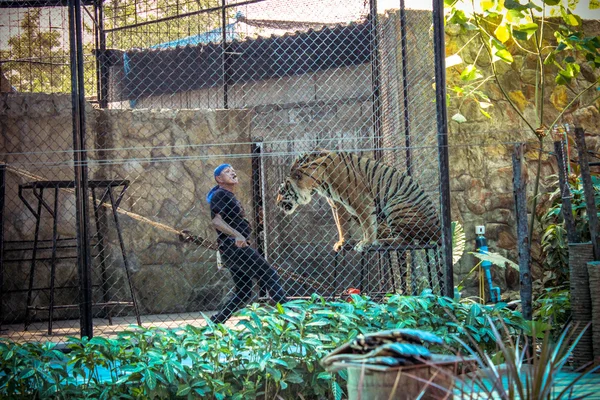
column 368, row 225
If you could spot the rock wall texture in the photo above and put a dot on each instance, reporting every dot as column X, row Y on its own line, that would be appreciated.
column 167, row 187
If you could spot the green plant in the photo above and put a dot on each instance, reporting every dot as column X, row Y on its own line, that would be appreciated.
column 274, row 352
column 553, row 307
column 514, row 373
column 508, row 34
column 554, row 238
column 458, row 242
column 494, row 258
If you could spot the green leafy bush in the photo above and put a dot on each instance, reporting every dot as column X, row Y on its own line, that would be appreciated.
column 524, row 374
column 554, row 238
column 273, row 352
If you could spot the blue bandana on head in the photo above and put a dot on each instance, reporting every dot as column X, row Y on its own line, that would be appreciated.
column 220, row 169
column 218, row 172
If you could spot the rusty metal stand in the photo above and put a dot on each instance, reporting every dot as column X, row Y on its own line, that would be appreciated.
column 108, row 199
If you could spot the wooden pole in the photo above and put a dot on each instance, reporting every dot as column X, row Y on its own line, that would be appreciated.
column 565, row 193
column 522, row 232
column 586, row 179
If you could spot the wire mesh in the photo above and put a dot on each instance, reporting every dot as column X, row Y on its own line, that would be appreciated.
column 37, row 145
column 176, row 88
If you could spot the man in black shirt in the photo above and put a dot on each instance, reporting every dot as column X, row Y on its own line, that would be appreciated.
column 244, row 263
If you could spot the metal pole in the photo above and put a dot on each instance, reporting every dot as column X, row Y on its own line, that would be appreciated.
column 257, row 202
column 80, row 168
column 567, row 209
column 403, row 46
column 263, row 184
column 224, row 49
column 102, row 69
column 375, row 80
column 522, row 231
column 2, row 194
column 588, row 189
column 442, row 131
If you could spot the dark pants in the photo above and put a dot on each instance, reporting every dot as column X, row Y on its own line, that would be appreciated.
column 246, row 265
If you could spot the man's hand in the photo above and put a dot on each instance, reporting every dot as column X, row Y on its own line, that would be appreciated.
column 186, row 236
column 240, row 241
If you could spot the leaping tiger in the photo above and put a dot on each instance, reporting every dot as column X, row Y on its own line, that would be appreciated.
column 365, row 188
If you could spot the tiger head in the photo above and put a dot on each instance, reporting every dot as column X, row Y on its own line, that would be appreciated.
column 291, row 194
column 302, row 183
column 297, row 189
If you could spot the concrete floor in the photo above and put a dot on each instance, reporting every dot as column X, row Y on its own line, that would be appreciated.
column 38, row 331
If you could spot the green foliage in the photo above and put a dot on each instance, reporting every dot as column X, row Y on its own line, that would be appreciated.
column 122, row 13
column 504, row 29
column 554, row 238
column 38, row 61
column 553, row 307
column 522, row 375
column 458, row 241
column 272, row 353
column 494, row 258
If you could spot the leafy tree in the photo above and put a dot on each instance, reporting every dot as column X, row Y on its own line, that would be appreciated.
column 121, row 13
column 546, row 31
column 36, row 60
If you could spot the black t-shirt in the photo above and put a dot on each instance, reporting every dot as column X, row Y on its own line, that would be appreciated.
column 224, row 203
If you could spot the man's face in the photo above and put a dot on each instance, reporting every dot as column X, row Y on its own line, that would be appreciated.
column 228, row 177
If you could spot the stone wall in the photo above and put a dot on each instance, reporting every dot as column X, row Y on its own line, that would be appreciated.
column 36, row 142
column 167, row 156
column 170, row 157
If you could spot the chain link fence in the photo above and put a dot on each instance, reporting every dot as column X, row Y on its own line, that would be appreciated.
column 176, row 88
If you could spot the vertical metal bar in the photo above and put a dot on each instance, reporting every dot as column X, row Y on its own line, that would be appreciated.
column 362, row 272
column 413, row 273
column 391, row 268
column 440, row 270
column 404, row 54
column 101, row 61
column 2, row 194
column 567, row 209
column 257, row 205
column 522, row 232
column 124, row 254
column 36, row 236
column 263, row 181
column 224, row 49
column 257, row 202
column 442, row 131
column 101, row 250
column 588, row 188
column 80, row 169
column 429, row 270
column 375, row 80
column 335, row 272
column 53, row 261
column 402, row 270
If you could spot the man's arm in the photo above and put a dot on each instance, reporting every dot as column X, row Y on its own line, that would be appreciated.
column 219, row 224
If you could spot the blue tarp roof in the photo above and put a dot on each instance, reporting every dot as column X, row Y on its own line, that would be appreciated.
column 204, row 38
column 213, row 36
